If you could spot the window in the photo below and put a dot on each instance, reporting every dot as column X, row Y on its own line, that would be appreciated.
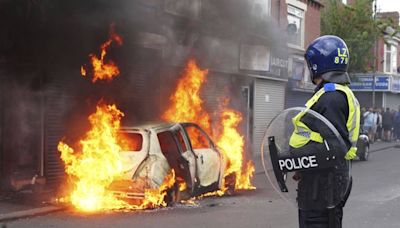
column 181, row 141
column 197, row 138
column 130, row 141
column 295, row 28
column 187, row 8
column 168, row 145
column 390, row 59
column 298, row 70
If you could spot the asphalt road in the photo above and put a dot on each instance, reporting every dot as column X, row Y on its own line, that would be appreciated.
column 374, row 202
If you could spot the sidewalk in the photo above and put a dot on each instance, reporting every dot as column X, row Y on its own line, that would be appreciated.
column 380, row 145
column 25, row 204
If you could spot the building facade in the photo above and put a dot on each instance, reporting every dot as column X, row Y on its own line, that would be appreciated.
column 302, row 22
column 385, row 91
column 44, row 99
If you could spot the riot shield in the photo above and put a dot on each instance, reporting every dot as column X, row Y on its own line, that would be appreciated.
column 313, row 176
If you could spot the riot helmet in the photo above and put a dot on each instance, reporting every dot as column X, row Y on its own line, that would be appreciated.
column 328, row 57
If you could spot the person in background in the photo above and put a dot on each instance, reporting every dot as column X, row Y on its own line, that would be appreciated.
column 387, row 124
column 378, row 135
column 362, row 111
column 370, row 123
column 397, row 125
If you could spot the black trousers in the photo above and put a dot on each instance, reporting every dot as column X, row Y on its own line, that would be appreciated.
column 325, row 218
column 320, row 218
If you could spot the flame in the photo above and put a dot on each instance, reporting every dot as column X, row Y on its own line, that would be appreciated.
column 231, row 144
column 156, row 197
column 187, row 106
column 83, row 71
column 98, row 163
column 104, row 70
column 186, row 103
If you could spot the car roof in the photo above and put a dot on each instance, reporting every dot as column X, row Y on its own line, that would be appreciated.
column 149, row 126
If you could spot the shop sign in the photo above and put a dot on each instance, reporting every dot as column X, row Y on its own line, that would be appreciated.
column 395, row 84
column 254, row 57
column 365, row 83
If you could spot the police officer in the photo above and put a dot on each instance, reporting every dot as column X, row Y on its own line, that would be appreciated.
column 327, row 58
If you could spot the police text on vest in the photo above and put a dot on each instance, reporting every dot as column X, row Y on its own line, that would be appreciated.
column 298, row 163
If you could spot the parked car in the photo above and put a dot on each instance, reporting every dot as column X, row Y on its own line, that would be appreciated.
column 155, row 149
column 363, row 146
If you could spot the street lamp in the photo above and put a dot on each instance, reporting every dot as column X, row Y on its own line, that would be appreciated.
column 376, row 56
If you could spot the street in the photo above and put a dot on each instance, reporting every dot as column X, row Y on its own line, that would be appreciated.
column 374, row 202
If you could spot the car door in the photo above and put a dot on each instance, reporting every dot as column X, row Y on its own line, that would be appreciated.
column 208, row 160
column 187, row 153
column 171, row 150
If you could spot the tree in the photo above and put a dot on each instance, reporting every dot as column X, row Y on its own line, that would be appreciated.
column 356, row 26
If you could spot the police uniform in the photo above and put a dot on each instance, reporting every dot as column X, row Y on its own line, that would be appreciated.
column 327, row 57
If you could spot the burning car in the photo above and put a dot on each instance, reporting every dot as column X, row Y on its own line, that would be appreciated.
column 156, row 149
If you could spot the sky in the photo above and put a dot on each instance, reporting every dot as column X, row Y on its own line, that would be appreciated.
column 388, row 5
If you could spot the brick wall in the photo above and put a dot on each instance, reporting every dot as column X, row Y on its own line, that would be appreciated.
column 312, row 18
column 312, row 22
column 279, row 12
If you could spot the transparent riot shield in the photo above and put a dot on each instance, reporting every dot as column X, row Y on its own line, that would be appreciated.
column 312, row 176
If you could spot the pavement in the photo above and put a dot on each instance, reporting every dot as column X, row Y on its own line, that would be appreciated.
column 16, row 205
column 28, row 204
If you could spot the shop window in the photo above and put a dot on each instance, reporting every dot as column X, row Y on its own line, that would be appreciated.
column 295, row 28
column 298, row 70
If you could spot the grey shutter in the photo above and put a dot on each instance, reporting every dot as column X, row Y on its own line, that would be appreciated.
column 265, row 111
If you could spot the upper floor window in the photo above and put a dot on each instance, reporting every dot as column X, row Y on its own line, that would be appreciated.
column 186, row 8
column 390, row 59
column 295, row 27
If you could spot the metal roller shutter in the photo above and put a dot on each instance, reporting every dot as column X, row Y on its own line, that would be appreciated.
column 392, row 100
column 55, row 107
column 296, row 99
column 365, row 99
column 269, row 98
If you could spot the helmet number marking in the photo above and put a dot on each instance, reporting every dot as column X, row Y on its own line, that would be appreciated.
column 342, row 57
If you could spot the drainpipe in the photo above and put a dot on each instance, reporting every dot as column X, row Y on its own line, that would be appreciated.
column 279, row 11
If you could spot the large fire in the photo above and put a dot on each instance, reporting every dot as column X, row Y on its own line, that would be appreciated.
column 187, row 106
column 103, row 70
column 97, row 163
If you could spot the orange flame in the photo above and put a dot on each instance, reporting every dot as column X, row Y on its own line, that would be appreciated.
column 186, row 103
column 98, row 163
column 187, row 106
column 104, row 70
column 231, row 141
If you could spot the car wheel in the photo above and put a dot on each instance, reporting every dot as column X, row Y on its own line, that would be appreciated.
column 364, row 153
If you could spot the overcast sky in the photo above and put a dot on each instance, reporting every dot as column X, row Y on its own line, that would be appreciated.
column 388, row 5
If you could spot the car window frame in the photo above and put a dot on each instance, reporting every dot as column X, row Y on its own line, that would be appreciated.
column 185, row 125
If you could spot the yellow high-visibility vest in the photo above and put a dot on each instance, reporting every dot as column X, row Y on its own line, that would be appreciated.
column 302, row 134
